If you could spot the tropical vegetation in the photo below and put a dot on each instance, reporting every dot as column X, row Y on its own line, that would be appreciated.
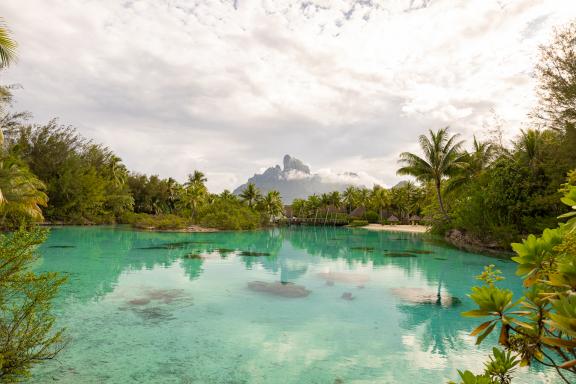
column 27, row 332
column 494, row 194
column 373, row 205
column 539, row 327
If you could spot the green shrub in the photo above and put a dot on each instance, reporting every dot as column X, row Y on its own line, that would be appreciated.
column 358, row 223
column 28, row 334
column 371, row 216
column 161, row 222
column 542, row 323
column 339, row 217
column 227, row 214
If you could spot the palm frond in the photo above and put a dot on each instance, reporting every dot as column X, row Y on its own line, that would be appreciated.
column 7, row 46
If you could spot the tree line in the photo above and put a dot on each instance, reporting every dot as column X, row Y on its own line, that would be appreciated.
column 50, row 172
column 503, row 193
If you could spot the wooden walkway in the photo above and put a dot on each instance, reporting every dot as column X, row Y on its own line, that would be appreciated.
column 314, row 221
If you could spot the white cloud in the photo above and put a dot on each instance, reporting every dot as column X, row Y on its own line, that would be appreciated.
column 230, row 86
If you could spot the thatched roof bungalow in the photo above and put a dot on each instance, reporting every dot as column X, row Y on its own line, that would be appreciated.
column 358, row 213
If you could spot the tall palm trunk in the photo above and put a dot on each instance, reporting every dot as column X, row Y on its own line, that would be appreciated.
column 439, row 192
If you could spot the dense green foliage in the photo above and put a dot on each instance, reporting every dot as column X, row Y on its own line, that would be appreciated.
column 377, row 204
column 162, row 221
column 27, row 336
column 77, row 181
column 166, row 204
column 541, row 325
column 494, row 193
column 358, row 223
column 229, row 214
column 84, row 182
column 442, row 157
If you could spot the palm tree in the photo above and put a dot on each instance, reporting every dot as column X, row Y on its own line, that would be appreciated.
column 195, row 192
column 442, row 158
column 313, row 204
column 7, row 56
column 196, row 178
column 271, row 203
column 473, row 164
column 250, row 195
column 380, row 199
column 210, row 198
column 362, row 196
column 299, row 208
column 349, row 197
column 335, row 199
column 529, row 146
column 325, row 203
column 227, row 195
column 118, row 171
column 7, row 46
column 173, row 189
column 193, row 197
column 20, row 190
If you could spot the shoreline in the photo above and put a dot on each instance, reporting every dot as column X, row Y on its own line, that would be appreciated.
column 397, row 228
column 189, row 229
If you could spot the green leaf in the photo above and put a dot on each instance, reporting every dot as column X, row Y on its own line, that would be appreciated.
column 475, row 313
column 481, row 327
column 556, row 342
column 485, row 334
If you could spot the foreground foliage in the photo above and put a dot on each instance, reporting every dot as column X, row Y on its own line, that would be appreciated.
column 541, row 325
column 27, row 334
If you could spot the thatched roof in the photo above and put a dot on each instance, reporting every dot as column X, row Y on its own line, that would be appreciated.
column 333, row 209
column 393, row 219
column 415, row 218
column 358, row 212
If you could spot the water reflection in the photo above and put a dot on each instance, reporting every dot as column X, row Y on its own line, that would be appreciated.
column 286, row 253
column 323, row 303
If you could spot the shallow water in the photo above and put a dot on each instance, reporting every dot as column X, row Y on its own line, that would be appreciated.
column 308, row 305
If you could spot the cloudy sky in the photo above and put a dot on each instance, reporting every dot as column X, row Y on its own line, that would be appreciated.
column 230, row 86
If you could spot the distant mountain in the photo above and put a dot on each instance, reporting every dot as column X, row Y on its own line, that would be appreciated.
column 295, row 181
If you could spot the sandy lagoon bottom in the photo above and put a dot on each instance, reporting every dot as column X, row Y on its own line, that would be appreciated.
column 307, row 305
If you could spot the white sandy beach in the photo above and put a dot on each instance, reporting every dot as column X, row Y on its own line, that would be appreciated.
column 397, row 228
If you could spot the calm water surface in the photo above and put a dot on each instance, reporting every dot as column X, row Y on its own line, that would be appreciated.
column 309, row 305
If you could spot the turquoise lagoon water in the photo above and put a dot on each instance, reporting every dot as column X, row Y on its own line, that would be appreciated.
column 305, row 305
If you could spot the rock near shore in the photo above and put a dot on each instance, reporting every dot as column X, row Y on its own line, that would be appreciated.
column 466, row 242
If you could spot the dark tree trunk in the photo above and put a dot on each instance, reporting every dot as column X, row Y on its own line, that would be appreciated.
column 438, row 191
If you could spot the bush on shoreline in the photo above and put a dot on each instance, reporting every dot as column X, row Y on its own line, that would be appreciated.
column 161, row 222
column 230, row 215
column 358, row 223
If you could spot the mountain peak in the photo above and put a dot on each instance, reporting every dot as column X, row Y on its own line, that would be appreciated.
column 296, row 181
column 293, row 164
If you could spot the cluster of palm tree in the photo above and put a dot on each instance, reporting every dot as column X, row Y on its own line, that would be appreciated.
column 195, row 195
column 402, row 201
column 269, row 204
column 532, row 169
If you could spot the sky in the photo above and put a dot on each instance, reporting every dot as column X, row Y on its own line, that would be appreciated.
column 229, row 87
